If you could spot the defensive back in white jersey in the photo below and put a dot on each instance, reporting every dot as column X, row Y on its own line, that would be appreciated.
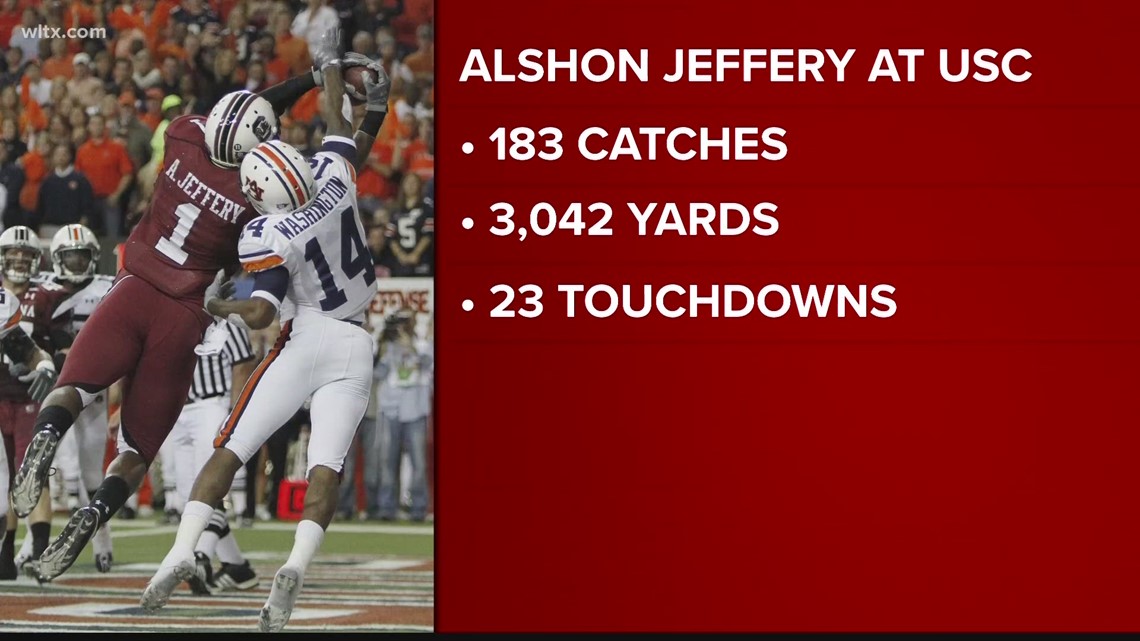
column 321, row 244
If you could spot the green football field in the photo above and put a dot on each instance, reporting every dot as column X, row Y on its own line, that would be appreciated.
column 367, row 576
column 146, row 541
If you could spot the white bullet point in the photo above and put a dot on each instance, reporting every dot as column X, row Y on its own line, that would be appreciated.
column 468, row 305
column 468, row 148
column 468, row 223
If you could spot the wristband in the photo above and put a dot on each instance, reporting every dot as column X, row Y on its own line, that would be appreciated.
column 372, row 121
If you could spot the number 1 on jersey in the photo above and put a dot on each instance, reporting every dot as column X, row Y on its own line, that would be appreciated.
column 172, row 247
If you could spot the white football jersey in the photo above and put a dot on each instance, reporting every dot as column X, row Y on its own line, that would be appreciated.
column 10, row 312
column 322, row 245
column 82, row 303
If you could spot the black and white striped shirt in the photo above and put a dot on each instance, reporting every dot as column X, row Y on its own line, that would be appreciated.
column 213, row 376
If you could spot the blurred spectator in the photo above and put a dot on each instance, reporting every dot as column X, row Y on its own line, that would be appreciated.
column 387, row 48
column 405, row 374
column 314, row 21
column 370, row 15
column 239, row 35
column 171, row 109
column 378, row 247
column 10, row 137
column 65, row 196
column 255, row 77
column 83, row 86
column 13, row 66
column 152, row 114
column 133, row 131
column 415, row 13
column 293, row 50
column 170, row 76
column 33, row 85
column 35, row 166
column 145, row 74
column 12, row 179
column 421, row 62
column 220, row 80
column 10, row 17
column 412, row 230
column 105, row 163
column 374, row 184
column 109, row 109
column 194, row 14
column 102, row 63
column 364, row 43
column 77, row 120
column 28, row 38
column 61, row 63
column 121, row 81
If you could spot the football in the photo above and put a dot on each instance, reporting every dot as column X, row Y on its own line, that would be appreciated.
column 354, row 83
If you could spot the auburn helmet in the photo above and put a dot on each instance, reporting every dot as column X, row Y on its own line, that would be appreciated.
column 74, row 253
column 276, row 178
column 20, row 269
column 239, row 121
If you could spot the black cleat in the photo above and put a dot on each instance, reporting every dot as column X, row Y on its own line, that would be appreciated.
column 203, row 574
column 66, row 548
column 234, row 576
column 33, row 473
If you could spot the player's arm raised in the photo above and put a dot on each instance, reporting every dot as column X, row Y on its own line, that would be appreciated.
column 377, row 86
column 284, row 94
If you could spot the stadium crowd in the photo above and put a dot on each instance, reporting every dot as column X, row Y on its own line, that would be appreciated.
column 81, row 124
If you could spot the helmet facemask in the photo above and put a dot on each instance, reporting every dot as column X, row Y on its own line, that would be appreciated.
column 19, row 263
column 74, row 264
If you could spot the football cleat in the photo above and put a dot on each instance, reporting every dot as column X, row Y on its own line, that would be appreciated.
column 162, row 584
column 33, row 473
column 203, row 574
column 234, row 576
column 282, row 598
column 62, row 552
column 103, row 562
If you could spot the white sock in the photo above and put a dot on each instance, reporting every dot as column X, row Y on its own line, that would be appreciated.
column 238, row 500
column 101, row 541
column 228, row 550
column 208, row 542
column 26, row 546
column 195, row 517
column 305, row 544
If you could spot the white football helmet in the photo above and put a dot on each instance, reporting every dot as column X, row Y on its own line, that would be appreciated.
column 276, row 178
column 20, row 269
column 74, row 253
column 239, row 121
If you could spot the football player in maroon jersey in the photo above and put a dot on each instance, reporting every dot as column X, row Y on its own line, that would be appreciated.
column 20, row 254
column 145, row 330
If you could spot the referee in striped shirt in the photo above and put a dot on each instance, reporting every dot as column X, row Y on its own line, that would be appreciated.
column 218, row 380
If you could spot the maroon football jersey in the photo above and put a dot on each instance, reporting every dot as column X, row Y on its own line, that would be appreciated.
column 10, row 388
column 195, row 217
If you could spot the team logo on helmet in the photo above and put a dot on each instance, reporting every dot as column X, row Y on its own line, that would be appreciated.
column 276, row 178
column 262, row 128
column 236, row 124
column 254, row 190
